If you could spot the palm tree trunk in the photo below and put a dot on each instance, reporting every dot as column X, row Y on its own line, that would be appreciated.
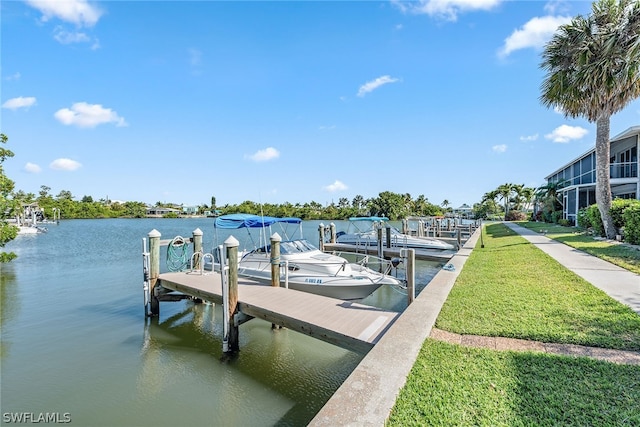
column 603, row 180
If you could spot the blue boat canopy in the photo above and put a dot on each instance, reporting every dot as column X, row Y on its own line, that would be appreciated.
column 234, row 221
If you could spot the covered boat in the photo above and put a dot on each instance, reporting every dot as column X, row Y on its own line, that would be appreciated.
column 303, row 266
column 364, row 231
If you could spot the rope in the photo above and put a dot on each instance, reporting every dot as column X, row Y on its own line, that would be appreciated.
column 177, row 254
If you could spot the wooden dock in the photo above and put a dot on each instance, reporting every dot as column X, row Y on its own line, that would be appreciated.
column 346, row 324
column 392, row 252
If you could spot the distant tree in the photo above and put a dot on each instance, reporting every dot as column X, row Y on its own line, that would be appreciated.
column 8, row 232
column 87, row 199
column 593, row 71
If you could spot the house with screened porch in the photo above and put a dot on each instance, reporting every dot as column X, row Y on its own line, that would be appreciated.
column 579, row 175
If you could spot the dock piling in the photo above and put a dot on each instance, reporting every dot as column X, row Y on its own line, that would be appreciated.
column 410, row 256
column 321, row 237
column 275, row 259
column 197, row 248
column 231, row 249
column 154, row 270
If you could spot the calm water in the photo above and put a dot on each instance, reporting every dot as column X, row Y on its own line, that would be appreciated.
column 75, row 340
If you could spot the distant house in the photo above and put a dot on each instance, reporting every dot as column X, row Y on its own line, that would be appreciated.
column 189, row 210
column 464, row 211
column 158, row 212
column 579, row 175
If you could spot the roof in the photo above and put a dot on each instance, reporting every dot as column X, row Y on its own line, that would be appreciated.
column 633, row 130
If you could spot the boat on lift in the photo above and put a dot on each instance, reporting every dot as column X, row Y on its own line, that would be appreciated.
column 364, row 231
column 303, row 266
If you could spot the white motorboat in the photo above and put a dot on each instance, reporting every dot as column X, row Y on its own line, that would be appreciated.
column 30, row 229
column 303, row 266
column 364, row 231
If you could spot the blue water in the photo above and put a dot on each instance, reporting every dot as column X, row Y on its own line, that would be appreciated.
column 75, row 340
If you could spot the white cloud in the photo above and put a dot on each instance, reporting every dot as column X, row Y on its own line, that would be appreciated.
column 79, row 12
column 265, row 155
column 65, row 37
column 445, row 9
column 195, row 56
column 565, row 133
column 64, row 165
column 86, row 115
column 529, row 137
column 375, row 84
column 499, row 148
column 325, row 128
column 534, row 34
column 19, row 102
column 14, row 76
column 32, row 168
column 336, row 186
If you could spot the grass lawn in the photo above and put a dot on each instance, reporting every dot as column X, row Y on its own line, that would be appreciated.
column 509, row 288
column 452, row 385
column 621, row 255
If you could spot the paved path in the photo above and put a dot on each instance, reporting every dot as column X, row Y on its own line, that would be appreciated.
column 369, row 393
column 617, row 282
column 513, row 344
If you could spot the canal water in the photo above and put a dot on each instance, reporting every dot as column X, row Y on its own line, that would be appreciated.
column 76, row 346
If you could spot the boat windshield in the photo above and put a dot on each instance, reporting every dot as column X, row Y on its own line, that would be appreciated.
column 296, row 246
column 290, row 247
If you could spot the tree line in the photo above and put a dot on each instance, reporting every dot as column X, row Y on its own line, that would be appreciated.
column 391, row 205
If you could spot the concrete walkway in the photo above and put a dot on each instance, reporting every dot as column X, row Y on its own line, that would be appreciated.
column 512, row 344
column 367, row 396
column 617, row 282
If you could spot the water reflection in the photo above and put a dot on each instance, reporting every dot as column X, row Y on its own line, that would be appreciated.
column 9, row 302
column 290, row 373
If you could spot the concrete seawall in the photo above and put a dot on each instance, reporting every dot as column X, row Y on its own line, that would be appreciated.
column 369, row 393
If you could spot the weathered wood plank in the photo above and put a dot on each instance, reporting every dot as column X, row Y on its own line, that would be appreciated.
column 343, row 323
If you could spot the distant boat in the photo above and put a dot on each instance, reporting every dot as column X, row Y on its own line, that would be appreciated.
column 31, row 229
column 303, row 266
column 364, row 231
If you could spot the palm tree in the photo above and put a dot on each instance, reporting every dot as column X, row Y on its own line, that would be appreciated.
column 504, row 191
column 593, row 71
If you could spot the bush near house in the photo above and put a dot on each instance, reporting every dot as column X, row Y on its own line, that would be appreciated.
column 631, row 216
column 515, row 216
column 626, row 219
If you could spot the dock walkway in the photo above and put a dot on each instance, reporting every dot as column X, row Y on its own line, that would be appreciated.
column 346, row 324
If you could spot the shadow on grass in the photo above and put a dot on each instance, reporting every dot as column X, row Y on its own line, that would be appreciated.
column 556, row 390
column 498, row 231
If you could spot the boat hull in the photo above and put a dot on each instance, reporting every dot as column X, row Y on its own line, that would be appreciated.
column 339, row 288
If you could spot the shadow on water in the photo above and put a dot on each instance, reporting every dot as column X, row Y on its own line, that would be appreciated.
column 9, row 301
column 299, row 368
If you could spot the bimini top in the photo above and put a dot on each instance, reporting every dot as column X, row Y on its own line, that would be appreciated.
column 368, row 218
column 233, row 221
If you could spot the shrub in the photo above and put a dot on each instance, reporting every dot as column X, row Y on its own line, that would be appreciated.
column 583, row 219
column 515, row 216
column 556, row 216
column 565, row 222
column 631, row 217
column 595, row 219
column 618, row 207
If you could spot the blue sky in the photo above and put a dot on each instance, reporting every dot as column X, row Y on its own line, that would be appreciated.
column 293, row 101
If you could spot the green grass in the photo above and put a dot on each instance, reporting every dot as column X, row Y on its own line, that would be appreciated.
column 510, row 288
column 452, row 385
column 625, row 256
